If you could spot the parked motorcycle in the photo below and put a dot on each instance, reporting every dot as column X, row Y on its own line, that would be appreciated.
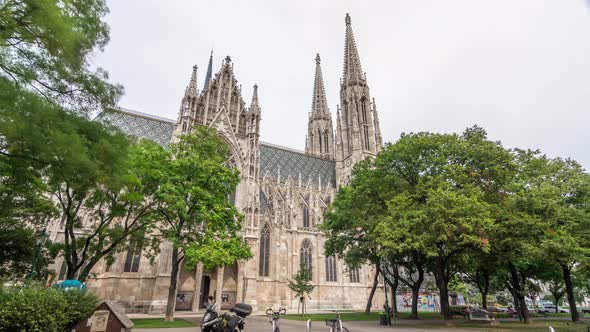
column 231, row 321
column 210, row 315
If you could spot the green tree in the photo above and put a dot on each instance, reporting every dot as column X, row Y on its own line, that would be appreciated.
column 45, row 45
column 563, row 194
column 83, row 168
column 302, row 287
column 436, row 211
column 192, row 200
column 350, row 222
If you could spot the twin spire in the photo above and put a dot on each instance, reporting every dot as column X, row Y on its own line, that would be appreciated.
column 352, row 70
column 319, row 103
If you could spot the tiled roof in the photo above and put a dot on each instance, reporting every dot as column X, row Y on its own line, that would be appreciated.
column 273, row 158
column 140, row 125
column 291, row 162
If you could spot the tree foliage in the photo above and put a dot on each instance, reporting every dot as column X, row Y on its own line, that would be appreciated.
column 202, row 225
column 45, row 45
column 301, row 286
column 467, row 209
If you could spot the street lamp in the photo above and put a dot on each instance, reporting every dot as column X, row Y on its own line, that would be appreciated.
column 40, row 238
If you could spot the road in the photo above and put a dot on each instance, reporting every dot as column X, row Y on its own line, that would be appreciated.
column 261, row 324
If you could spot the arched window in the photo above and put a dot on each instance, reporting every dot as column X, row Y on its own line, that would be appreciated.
column 354, row 275
column 364, row 110
column 263, row 264
column 326, row 145
column 305, row 256
column 331, row 268
column 366, row 133
column 305, row 215
column 133, row 257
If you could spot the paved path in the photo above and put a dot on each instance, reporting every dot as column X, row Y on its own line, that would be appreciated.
column 261, row 324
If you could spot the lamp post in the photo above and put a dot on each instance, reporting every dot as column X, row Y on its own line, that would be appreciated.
column 40, row 237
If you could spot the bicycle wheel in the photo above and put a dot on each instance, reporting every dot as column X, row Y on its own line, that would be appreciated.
column 344, row 329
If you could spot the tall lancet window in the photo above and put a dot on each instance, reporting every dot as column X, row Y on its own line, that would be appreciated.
column 264, row 261
column 355, row 275
column 305, row 256
column 331, row 269
column 326, row 149
column 320, row 140
column 305, row 216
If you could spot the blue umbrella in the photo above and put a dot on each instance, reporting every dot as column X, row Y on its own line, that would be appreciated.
column 67, row 284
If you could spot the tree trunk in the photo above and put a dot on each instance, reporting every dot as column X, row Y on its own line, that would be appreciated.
column 375, row 283
column 518, row 287
column 484, row 300
column 394, row 295
column 442, row 282
column 416, row 293
column 569, row 288
column 171, row 304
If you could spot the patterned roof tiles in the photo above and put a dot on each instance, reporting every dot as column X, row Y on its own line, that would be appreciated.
column 273, row 158
column 140, row 125
column 291, row 162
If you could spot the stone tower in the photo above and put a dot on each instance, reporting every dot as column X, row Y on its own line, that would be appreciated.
column 320, row 132
column 357, row 124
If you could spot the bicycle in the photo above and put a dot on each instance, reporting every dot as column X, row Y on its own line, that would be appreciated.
column 336, row 324
column 275, row 315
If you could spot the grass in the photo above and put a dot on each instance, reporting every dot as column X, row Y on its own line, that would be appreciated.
column 359, row 316
column 561, row 326
column 155, row 323
column 427, row 322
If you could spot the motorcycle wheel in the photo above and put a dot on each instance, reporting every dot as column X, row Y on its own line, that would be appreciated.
column 206, row 329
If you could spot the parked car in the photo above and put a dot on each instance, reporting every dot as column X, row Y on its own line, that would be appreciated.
column 492, row 308
column 551, row 309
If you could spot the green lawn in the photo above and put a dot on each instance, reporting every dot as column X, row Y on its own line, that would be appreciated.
column 428, row 323
column 357, row 316
column 561, row 326
column 155, row 323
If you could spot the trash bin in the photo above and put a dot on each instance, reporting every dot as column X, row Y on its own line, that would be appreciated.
column 382, row 319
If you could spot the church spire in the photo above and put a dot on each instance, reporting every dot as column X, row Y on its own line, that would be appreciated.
column 358, row 135
column 254, row 104
column 191, row 89
column 320, row 133
column 352, row 64
column 209, row 71
column 318, row 103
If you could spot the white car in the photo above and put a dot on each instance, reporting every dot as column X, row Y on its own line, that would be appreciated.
column 551, row 309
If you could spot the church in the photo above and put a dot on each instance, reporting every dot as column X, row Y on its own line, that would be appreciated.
column 283, row 194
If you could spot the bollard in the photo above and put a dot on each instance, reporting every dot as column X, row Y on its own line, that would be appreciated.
column 308, row 326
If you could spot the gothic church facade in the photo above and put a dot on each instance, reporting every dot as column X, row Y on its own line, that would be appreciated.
column 283, row 194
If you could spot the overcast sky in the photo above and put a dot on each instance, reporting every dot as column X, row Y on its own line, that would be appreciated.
column 520, row 69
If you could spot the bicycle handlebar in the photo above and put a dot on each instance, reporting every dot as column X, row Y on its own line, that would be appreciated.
column 270, row 312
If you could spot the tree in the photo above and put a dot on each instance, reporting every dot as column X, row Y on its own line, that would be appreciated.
column 79, row 168
column 302, row 287
column 350, row 222
column 197, row 217
column 563, row 194
column 435, row 210
column 46, row 47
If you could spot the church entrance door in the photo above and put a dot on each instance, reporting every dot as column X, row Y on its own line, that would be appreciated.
column 205, row 283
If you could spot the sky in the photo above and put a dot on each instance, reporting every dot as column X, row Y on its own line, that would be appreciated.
column 520, row 69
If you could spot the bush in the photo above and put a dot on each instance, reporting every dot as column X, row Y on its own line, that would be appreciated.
column 36, row 309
